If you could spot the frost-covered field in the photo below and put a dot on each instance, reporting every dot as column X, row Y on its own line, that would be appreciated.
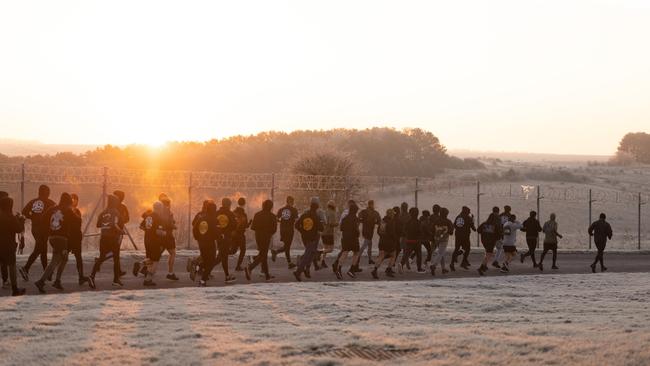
column 601, row 319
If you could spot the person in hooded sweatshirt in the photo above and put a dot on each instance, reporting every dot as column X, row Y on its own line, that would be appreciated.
column 463, row 227
column 331, row 223
column 239, row 235
column 10, row 225
column 34, row 211
column 435, row 216
column 550, row 241
column 532, row 228
column 388, row 242
column 287, row 217
column 349, row 241
column 504, row 217
column 412, row 235
column 398, row 232
column 426, row 235
column 61, row 220
column 76, row 237
column 310, row 226
column 443, row 228
column 490, row 231
column 226, row 223
column 154, row 235
column 510, row 229
column 169, row 241
column 601, row 230
column 204, row 229
column 264, row 224
column 124, row 212
column 109, row 223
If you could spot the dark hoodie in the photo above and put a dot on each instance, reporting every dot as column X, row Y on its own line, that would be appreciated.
column 491, row 230
column 443, row 227
column 464, row 224
column 309, row 224
column 412, row 228
column 532, row 228
column 265, row 223
column 61, row 218
column 226, row 222
column 35, row 210
column 10, row 225
column 601, row 230
column 403, row 218
column 204, row 224
column 350, row 226
column 110, row 221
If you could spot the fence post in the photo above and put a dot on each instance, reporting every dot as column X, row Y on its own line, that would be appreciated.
column 105, row 188
column 539, row 210
column 273, row 187
column 589, row 223
column 416, row 191
column 639, row 223
column 189, row 213
column 478, row 212
column 22, row 186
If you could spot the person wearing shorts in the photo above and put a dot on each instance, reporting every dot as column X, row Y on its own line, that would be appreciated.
column 510, row 229
column 550, row 241
column 490, row 232
column 443, row 228
column 76, row 236
column 349, row 241
column 109, row 223
column 331, row 223
column 287, row 217
column 388, row 241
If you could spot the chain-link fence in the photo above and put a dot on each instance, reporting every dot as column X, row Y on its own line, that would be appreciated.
column 575, row 205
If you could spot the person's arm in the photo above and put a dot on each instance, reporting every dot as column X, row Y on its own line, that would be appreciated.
column 27, row 211
column 274, row 224
column 610, row 233
column 255, row 223
column 591, row 230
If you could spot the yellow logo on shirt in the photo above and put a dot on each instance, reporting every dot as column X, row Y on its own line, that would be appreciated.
column 203, row 227
column 307, row 224
column 222, row 221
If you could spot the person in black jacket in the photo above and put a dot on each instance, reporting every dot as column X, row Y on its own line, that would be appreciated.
column 491, row 231
column 601, row 230
column 34, row 211
column 61, row 220
column 265, row 224
column 10, row 225
column 349, row 241
column 388, row 242
column 154, row 234
column 532, row 228
column 369, row 218
column 239, row 234
column 287, row 217
column 124, row 213
column 204, row 228
column 110, row 223
column 463, row 226
column 226, row 223
column 310, row 225
column 426, row 236
column 412, row 235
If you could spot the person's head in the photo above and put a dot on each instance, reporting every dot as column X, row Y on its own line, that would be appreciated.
column 436, row 209
column 43, row 192
column 371, row 204
column 7, row 205
column 210, row 207
column 158, row 208
column 204, row 208
column 465, row 211
column 351, row 203
column 533, row 214
column 164, row 198
column 603, row 216
column 353, row 209
column 396, row 210
column 552, row 217
column 112, row 201
column 495, row 210
column 290, row 200
column 331, row 205
column 3, row 194
column 75, row 200
column 404, row 207
column 314, row 204
column 444, row 212
column 513, row 218
column 241, row 202
column 120, row 195
column 507, row 209
column 226, row 203
column 267, row 205
column 390, row 213
column 414, row 212
column 426, row 213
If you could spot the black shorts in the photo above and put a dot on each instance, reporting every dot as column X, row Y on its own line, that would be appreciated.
column 350, row 245
column 152, row 250
column 550, row 246
column 167, row 243
column 509, row 249
column 108, row 244
column 328, row 239
column 489, row 247
column 387, row 246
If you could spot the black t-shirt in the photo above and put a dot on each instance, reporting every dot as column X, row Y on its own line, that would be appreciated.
column 60, row 221
column 369, row 219
column 287, row 216
column 35, row 210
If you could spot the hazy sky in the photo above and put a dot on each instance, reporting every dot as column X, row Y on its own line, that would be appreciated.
column 543, row 76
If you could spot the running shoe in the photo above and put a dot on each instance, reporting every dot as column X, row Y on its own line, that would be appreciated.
column 374, row 273
column 351, row 274
column 274, row 254
column 555, row 267
column 18, row 292
column 269, row 278
column 149, row 283
column 202, row 283
column 230, row 279
column 23, row 273
column 247, row 272
column 172, row 277
column 421, row 271
column 136, row 268
column 57, row 285
column 495, row 264
column 444, row 271
column 91, row 282
column 117, row 283
column 40, row 285
column 296, row 274
column 291, row 265
column 82, row 280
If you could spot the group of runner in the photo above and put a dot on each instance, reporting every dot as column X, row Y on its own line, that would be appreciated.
column 221, row 232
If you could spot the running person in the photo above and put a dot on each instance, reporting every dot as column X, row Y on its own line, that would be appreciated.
column 168, row 242
column 490, row 232
column 76, row 236
column 349, row 242
column 154, row 234
column 34, row 211
column 426, row 235
column 10, row 225
column 109, row 222
column 550, row 241
column 369, row 218
column 309, row 225
column 388, row 242
column 412, row 235
column 264, row 224
column 601, row 230
column 331, row 222
column 287, row 216
column 204, row 228
column 61, row 219
column 226, row 223
column 124, row 213
column 532, row 228
column 504, row 217
column 239, row 235
column 443, row 229
column 463, row 227
column 510, row 229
